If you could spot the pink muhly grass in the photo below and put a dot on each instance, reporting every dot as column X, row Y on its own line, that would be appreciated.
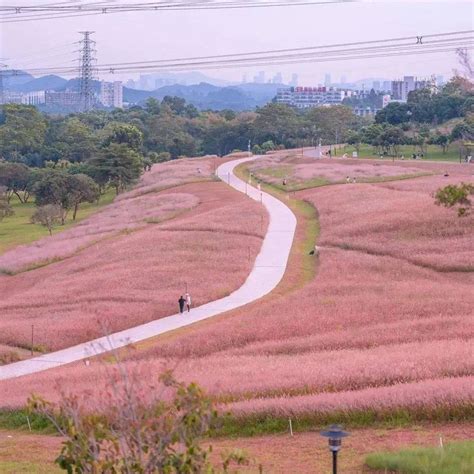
column 398, row 220
column 173, row 173
column 352, row 292
column 427, row 395
column 341, row 370
column 135, row 277
column 118, row 216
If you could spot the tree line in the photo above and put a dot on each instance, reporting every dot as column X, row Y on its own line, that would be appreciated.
column 67, row 160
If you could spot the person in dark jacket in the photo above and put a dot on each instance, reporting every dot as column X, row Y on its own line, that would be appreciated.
column 181, row 303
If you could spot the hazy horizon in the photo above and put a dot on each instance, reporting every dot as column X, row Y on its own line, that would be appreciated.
column 140, row 36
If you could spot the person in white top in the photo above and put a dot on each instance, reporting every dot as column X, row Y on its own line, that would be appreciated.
column 187, row 297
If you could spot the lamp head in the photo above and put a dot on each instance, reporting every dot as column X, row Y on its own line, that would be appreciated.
column 334, row 434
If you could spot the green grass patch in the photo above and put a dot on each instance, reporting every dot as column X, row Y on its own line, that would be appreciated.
column 262, row 424
column 433, row 153
column 16, row 467
column 18, row 230
column 454, row 458
column 18, row 420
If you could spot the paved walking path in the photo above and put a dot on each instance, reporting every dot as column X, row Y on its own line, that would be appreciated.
column 268, row 270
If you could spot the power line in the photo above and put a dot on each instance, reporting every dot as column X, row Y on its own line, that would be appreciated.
column 31, row 14
column 285, row 56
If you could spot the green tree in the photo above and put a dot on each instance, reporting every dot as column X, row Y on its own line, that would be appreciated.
column 176, row 104
column 275, row 122
column 456, row 196
column 391, row 138
column 17, row 179
column 5, row 208
column 354, row 139
column 76, row 140
column 22, row 131
column 81, row 188
column 53, row 188
column 117, row 165
column 121, row 133
column 441, row 140
column 48, row 216
column 331, row 123
column 394, row 113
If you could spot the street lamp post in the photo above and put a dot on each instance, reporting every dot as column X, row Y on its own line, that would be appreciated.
column 334, row 435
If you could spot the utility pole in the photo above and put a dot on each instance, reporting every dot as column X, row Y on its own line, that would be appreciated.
column 87, row 70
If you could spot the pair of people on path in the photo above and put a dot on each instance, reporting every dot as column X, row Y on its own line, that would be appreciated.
column 184, row 300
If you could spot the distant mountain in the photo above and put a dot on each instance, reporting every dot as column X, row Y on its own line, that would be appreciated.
column 14, row 79
column 207, row 96
column 44, row 83
column 203, row 95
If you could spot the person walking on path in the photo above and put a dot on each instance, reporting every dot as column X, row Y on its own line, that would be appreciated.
column 181, row 303
column 187, row 297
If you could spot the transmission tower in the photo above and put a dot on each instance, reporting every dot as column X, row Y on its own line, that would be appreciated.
column 87, row 70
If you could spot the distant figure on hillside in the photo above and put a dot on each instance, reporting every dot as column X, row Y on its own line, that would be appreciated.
column 181, row 302
column 446, row 174
column 187, row 297
column 259, row 187
column 284, row 182
column 348, row 180
column 353, row 179
column 344, row 155
column 199, row 170
column 469, row 158
column 315, row 251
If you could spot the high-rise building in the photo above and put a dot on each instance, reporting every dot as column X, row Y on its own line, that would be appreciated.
column 387, row 86
column 294, row 80
column 327, row 79
column 259, row 78
column 401, row 88
column 343, row 79
column 277, row 78
column 131, row 84
column 111, row 94
column 376, row 85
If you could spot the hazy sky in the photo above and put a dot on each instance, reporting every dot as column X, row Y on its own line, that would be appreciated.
column 165, row 35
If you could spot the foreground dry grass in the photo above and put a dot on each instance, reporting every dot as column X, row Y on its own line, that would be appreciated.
column 300, row 454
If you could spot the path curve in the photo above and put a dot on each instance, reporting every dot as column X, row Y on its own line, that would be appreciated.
column 267, row 272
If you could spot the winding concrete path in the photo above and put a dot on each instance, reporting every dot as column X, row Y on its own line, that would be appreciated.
column 268, row 270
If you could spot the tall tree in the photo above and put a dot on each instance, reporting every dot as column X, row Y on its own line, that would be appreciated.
column 117, row 165
column 82, row 188
column 17, row 179
column 22, row 131
column 121, row 133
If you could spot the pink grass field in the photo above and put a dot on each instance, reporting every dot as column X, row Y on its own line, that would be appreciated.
column 120, row 216
column 137, row 273
column 387, row 323
column 300, row 171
